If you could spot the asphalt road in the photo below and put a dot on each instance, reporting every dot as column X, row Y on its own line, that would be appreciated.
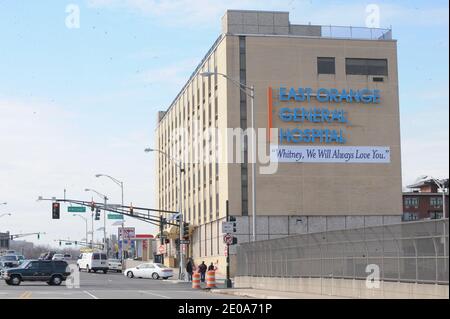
column 108, row 286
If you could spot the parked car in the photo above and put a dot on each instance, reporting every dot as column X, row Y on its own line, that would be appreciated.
column 149, row 270
column 9, row 261
column 58, row 257
column 51, row 272
column 115, row 264
column 93, row 262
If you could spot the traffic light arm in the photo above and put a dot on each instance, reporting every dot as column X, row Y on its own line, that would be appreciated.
column 24, row 235
column 122, row 210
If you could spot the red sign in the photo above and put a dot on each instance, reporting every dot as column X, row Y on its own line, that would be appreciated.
column 228, row 239
column 225, row 251
column 162, row 249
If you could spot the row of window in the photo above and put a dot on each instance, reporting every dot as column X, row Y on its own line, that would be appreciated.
column 414, row 202
column 353, row 66
column 410, row 216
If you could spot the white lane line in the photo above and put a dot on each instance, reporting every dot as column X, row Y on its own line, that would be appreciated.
column 90, row 294
column 153, row 294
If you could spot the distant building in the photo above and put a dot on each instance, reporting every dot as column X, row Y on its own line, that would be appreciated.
column 423, row 201
column 4, row 241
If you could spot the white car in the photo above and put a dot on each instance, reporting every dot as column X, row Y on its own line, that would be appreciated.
column 115, row 264
column 93, row 262
column 149, row 270
column 58, row 257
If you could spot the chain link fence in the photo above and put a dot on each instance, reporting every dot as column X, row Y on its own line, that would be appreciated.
column 407, row 252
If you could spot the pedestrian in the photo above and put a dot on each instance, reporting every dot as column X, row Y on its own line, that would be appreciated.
column 211, row 267
column 202, row 270
column 189, row 269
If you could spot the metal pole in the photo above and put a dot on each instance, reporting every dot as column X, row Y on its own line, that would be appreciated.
column 92, row 234
column 182, row 277
column 123, row 224
column 104, row 226
column 252, row 90
column 228, row 283
column 86, row 221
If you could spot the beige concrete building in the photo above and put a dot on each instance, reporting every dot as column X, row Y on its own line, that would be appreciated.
column 330, row 98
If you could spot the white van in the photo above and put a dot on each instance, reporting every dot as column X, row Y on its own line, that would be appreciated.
column 93, row 262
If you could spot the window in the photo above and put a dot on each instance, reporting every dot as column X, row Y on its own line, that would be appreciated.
column 326, row 66
column 435, row 215
column 366, row 66
column 412, row 202
column 410, row 216
column 436, row 201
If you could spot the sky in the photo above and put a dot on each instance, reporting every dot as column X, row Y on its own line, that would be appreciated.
column 79, row 101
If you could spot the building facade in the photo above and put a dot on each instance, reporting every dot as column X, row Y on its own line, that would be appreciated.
column 423, row 201
column 327, row 112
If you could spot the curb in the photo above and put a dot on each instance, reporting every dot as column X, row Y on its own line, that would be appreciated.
column 246, row 294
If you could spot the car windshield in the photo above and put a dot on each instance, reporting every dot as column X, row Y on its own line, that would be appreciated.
column 58, row 255
column 24, row 264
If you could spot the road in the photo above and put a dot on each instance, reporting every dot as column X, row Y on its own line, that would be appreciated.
column 108, row 286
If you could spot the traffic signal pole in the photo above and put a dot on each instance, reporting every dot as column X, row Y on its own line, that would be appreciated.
column 228, row 282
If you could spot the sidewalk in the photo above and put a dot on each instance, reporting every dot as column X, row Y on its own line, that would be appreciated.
column 270, row 294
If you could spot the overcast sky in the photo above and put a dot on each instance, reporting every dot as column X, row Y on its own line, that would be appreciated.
column 75, row 102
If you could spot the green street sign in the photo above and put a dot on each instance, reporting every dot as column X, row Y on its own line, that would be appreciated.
column 115, row 216
column 76, row 209
column 68, row 244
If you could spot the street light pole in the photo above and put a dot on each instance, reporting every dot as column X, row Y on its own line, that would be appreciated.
column 105, row 199
column 86, row 221
column 120, row 183
column 244, row 88
column 179, row 164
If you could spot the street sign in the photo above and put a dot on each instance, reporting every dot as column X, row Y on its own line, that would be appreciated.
column 162, row 249
column 115, row 216
column 228, row 239
column 185, row 241
column 228, row 227
column 76, row 209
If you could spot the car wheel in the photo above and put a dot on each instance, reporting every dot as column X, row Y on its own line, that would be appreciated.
column 166, row 278
column 105, row 271
column 119, row 271
column 8, row 282
column 130, row 274
column 56, row 280
column 15, row 280
column 155, row 275
column 49, row 283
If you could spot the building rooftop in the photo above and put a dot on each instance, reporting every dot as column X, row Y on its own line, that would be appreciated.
column 249, row 22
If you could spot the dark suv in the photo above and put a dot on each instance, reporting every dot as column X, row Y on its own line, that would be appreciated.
column 52, row 272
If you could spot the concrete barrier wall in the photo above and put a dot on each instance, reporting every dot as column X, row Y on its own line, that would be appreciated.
column 352, row 288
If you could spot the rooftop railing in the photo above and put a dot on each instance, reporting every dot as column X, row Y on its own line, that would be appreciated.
column 349, row 32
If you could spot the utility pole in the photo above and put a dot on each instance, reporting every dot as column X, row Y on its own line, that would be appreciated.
column 161, row 241
column 228, row 283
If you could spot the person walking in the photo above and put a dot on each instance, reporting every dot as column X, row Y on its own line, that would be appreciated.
column 211, row 267
column 202, row 270
column 189, row 269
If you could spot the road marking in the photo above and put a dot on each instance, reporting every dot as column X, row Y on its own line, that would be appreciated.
column 153, row 294
column 90, row 294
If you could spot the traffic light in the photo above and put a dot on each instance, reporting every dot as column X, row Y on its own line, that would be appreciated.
column 167, row 241
column 76, row 243
column 186, row 230
column 60, row 243
column 38, row 236
column 55, row 210
column 97, row 214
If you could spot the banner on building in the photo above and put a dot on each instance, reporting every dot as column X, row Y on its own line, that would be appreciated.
column 330, row 154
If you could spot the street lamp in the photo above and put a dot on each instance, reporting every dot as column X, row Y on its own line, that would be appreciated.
column 244, row 88
column 179, row 164
column 120, row 184
column 104, row 214
column 86, row 221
